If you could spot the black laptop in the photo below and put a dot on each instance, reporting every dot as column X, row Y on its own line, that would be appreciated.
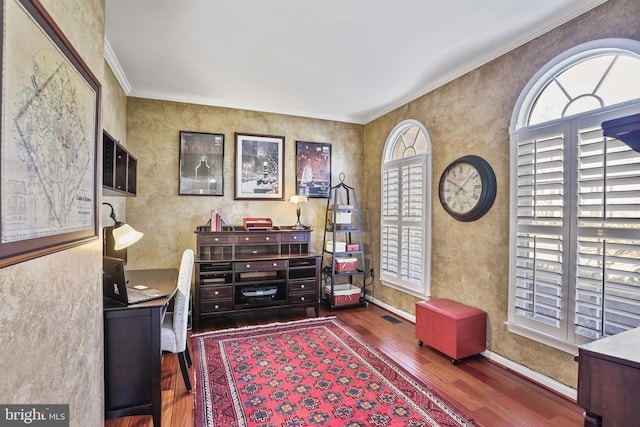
column 116, row 286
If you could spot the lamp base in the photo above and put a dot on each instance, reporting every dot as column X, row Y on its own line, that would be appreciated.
column 298, row 226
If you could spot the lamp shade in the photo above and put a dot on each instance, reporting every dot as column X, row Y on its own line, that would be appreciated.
column 124, row 236
column 298, row 199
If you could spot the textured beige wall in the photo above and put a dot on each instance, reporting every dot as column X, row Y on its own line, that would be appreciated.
column 471, row 115
column 51, row 335
column 169, row 220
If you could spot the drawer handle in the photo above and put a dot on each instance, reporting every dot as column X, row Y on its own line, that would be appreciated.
column 215, row 239
column 248, row 265
column 266, row 238
column 301, row 286
column 216, row 293
column 275, row 264
column 301, row 298
column 295, row 237
column 246, row 238
column 216, row 306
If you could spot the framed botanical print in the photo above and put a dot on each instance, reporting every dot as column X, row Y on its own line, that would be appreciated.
column 201, row 164
column 313, row 169
column 259, row 171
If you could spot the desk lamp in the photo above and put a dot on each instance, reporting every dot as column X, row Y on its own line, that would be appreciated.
column 298, row 199
column 123, row 236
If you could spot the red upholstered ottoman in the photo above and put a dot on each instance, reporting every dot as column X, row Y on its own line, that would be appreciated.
column 452, row 328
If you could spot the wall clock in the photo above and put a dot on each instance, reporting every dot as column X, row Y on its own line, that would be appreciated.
column 467, row 188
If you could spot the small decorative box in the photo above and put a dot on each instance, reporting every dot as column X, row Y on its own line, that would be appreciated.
column 344, row 265
column 352, row 247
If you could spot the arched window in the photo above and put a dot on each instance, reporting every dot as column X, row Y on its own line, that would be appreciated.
column 405, row 256
column 575, row 199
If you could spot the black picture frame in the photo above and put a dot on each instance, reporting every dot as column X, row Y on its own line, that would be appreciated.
column 201, row 164
column 50, row 138
column 259, row 171
column 313, row 169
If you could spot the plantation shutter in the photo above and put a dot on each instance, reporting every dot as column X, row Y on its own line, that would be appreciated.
column 412, row 221
column 390, row 221
column 540, row 280
column 608, row 236
column 403, row 213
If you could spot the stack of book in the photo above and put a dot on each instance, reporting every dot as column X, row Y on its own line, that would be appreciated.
column 216, row 221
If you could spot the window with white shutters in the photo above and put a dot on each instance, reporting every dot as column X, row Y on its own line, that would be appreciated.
column 406, row 214
column 575, row 199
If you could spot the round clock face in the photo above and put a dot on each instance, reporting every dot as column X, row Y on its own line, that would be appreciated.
column 467, row 188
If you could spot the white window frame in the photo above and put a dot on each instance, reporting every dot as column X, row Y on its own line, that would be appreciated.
column 564, row 337
column 424, row 161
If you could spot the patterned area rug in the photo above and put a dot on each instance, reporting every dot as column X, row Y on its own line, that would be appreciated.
column 313, row 372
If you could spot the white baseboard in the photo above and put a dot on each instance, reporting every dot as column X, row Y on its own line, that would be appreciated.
column 528, row 373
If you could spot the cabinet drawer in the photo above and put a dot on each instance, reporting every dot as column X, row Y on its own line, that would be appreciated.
column 216, row 292
column 261, row 265
column 257, row 238
column 214, row 239
column 253, row 250
column 298, row 287
column 209, row 307
column 218, row 267
column 295, row 237
column 302, row 298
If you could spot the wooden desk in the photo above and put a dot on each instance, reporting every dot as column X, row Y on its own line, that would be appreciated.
column 609, row 380
column 132, row 354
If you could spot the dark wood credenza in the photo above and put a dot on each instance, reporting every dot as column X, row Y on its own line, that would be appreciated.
column 609, row 380
column 229, row 264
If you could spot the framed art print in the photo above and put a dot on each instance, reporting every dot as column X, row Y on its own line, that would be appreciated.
column 201, row 164
column 313, row 169
column 49, row 141
column 259, row 172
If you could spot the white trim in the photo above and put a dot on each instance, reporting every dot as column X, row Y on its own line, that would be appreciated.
column 114, row 64
column 542, row 338
column 533, row 376
column 389, row 282
column 400, row 313
column 529, row 374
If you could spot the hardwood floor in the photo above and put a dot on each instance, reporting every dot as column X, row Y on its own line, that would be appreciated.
column 484, row 391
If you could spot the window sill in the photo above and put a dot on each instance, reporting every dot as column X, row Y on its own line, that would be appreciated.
column 542, row 338
column 402, row 288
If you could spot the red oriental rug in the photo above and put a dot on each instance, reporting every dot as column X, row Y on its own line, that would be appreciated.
column 312, row 372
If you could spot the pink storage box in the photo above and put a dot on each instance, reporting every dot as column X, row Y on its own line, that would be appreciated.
column 344, row 265
column 346, row 294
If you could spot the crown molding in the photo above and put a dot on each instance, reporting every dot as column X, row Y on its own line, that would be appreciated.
column 114, row 64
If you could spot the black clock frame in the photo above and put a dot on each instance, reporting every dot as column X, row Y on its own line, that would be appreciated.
column 489, row 188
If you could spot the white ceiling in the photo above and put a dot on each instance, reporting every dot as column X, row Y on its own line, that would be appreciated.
column 345, row 60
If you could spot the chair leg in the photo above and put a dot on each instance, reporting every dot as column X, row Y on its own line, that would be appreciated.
column 185, row 371
column 187, row 354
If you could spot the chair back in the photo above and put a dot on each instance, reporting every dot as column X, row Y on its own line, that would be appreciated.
column 181, row 301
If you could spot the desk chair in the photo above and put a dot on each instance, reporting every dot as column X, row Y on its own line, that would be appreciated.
column 174, row 325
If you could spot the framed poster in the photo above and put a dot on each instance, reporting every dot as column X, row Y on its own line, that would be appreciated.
column 201, row 164
column 49, row 141
column 313, row 169
column 259, row 173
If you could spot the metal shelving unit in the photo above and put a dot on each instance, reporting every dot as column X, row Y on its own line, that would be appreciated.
column 343, row 262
